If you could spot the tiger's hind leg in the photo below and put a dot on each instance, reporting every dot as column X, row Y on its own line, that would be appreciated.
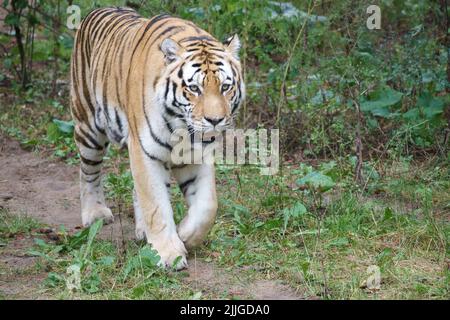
column 92, row 147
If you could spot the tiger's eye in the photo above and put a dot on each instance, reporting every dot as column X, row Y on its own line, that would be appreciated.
column 194, row 88
column 225, row 87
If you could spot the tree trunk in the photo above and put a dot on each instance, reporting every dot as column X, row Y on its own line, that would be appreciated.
column 20, row 46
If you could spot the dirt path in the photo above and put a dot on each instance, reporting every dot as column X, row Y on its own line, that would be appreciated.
column 48, row 190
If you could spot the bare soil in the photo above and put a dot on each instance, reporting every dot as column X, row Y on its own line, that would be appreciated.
column 47, row 189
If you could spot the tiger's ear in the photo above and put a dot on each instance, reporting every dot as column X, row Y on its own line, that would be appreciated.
column 233, row 44
column 171, row 50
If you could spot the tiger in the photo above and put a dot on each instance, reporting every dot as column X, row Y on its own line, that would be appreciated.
column 133, row 81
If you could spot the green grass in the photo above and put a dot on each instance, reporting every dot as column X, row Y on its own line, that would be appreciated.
column 319, row 243
column 328, row 249
column 14, row 224
column 106, row 271
column 29, row 120
column 320, row 247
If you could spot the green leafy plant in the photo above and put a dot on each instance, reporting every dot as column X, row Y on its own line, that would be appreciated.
column 381, row 102
column 294, row 212
column 146, row 259
column 316, row 181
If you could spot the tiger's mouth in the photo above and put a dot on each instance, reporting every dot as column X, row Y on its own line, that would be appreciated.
column 198, row 126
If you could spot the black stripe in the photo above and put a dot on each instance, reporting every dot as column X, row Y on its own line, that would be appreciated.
column 175, row 102
column 106, row 110
column 185, row 94
column 157, row 140
column 96, row 118
column 91, row 139
column 209, row 44
column 197, row 29
column 168, row 126
column 99, row 129
column 117, row 136
column 90, row 174
column 151, row 35
column 174, row 90
column 198, row 38
column 216, row 56
column 82, row 141
column 196, row 71
column 178, row 104
column 85, row 89
column 150, row 156
column 147, row 27
column 172, row 113
column 166, row 31
column 180, row 72
column 94, row 23
column 107, row 27
column 119, row 102
column 167, row 88
column 75, row 113
column 184, row 185
column 92, row 180
column 77, row 90
column 235, row 106
column 237, row 102
column 90, row 162
column 233, row 70
column 196, row 44
column 216, row 49
column 195, row 56
column 119, row 122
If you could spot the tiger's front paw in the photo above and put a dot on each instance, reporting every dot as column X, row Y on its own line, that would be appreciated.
column 171, row 250
column 90, row 215
column 192, row 231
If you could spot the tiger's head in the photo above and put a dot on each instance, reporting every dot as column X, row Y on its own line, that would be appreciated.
column 205, row 85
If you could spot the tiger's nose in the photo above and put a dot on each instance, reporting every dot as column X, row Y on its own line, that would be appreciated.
column 214, row 121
